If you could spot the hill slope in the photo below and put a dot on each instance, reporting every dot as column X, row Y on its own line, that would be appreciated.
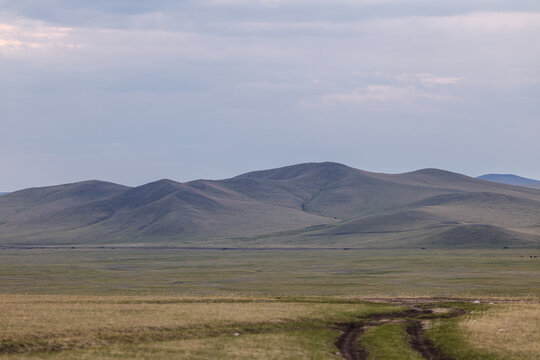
column 323, row 204
column 511, row 180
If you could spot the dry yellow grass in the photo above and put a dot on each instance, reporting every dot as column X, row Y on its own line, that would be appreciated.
column 252, row 346
column 32, row 314
column 160, row 327
column 511, row 331
column 57, row 314
column 86, row 325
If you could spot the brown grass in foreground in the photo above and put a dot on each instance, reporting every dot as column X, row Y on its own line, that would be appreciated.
column 155, row 327
column 506, row 330
column 30, row 323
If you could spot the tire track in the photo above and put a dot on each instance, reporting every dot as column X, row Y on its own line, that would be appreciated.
column 424, row 346
column 351, row 349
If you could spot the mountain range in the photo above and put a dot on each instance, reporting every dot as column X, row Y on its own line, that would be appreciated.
column 313, row 204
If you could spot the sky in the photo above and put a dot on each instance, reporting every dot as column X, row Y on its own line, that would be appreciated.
column 131, row 91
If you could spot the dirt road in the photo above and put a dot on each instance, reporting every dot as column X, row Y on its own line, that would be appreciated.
column 349, row 343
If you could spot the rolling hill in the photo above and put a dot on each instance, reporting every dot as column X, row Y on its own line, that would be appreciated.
column 312, row 204
column 511, row 180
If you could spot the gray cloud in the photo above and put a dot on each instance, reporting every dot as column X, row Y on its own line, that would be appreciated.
column 134, row 91
column 197, row 13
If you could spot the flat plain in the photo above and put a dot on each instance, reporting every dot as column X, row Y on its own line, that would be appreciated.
column 126, row 303
column 169, row 271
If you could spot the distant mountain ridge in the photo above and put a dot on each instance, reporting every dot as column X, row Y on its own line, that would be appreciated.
column 323, row 204
column 511, row 179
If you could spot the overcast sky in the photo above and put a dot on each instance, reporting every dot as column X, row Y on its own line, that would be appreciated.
column 132, row 91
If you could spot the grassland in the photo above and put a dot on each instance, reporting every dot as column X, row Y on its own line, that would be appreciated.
column 164, row 327
column 503, row 272
column 497, row 331
column 263, row 304
column 68, row 327
column 506, row 329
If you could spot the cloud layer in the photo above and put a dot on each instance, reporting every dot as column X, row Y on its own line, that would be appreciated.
column 131, row 91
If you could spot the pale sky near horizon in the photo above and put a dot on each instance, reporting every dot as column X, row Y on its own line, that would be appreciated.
column 131, row 91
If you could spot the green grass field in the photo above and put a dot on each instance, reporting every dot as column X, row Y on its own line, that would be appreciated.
column 503, row 272
column 266, row 304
